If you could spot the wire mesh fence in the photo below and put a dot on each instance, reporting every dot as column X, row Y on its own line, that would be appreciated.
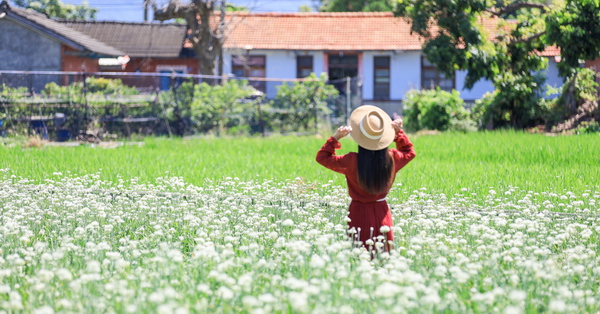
column 95, row 106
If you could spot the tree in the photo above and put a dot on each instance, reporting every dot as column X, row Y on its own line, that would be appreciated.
column 454, row 39
column 207, row 37
column 57, row 9
column 354, row 5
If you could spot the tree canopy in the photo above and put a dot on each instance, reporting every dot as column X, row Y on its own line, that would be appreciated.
column 354, row 5
column 502, row 41
column 57, row 9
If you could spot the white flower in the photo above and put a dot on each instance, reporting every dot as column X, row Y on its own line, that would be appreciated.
column 557, row 306
column 4, row 289
column 94, row 267
column 250, row 301
column 64, row 274
column 317, row 261
column 512, row 310
column 287, row 223
column 387, row 290
column 225, row 293
column 45, row 275
column 43, row 310
column 298, row 300
column 384, row 229
column 517, row 295
column 156, row 297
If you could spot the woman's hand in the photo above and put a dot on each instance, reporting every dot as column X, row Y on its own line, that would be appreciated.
column 342, row 132
column 397, row 124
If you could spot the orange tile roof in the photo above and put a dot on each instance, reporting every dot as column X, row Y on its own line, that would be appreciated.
column 320, row 31
column 340, row 31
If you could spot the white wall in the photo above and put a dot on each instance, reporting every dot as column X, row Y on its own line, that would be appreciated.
column 280, row 64
column 405, row 72
column 478, row 90
column 551, row 72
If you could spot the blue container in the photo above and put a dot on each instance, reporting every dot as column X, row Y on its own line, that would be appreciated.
column 63, row 135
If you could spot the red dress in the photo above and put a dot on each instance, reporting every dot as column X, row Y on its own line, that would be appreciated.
column 366, row 210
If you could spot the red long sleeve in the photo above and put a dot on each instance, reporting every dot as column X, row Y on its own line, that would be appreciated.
column 326, row 156
column 404, row 151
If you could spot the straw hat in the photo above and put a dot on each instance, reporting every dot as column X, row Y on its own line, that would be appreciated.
column 371, row 127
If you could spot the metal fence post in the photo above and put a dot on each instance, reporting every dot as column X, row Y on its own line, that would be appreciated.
column 348, row 98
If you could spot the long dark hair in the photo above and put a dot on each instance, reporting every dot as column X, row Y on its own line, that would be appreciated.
column 375, row 170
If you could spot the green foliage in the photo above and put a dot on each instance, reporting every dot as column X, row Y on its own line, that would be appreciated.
column 580, row 86
column 297, row 104
column 230, row 7
column 588, row 127
column 436, row 110
column 202, row 107
column 356, row 6
column 10, row 93
column 108, row 86
column 94, row 85
column 586, row 86
column 574, row 26
column 509, row 55
column 58, row 9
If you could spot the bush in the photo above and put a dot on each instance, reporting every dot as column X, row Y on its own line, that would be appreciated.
column 295, row 104
column 588, row 127
column 436, row 110
column 193, row 108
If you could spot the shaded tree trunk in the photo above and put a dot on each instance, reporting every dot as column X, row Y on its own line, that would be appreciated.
column 207, row 37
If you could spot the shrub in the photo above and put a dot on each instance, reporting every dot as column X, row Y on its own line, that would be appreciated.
column 436, row 110
column 203, row 108
column 296, row 104
column 588, row 127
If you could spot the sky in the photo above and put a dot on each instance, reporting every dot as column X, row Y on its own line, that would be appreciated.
column 132, row 10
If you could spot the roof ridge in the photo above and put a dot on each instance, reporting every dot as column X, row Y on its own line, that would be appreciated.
column 64, row 21
column 314, row 14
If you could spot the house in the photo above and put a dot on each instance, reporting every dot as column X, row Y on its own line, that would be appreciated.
column 30, row 41
column 90, row 46
column 150, row 47
column 377, row 47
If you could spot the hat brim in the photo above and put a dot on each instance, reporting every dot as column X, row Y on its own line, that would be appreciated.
column 388, row 132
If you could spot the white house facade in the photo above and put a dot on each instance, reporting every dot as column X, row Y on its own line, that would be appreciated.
column 377, row 48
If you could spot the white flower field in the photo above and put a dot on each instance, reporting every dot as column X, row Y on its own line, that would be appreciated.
column 81, row 244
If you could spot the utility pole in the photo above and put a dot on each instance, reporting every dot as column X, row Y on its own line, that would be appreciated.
column 145, row 11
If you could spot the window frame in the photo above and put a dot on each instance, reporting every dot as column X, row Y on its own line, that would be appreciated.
column 426, row 65
column 300, row 67
column 386, row 86
column 247, row 66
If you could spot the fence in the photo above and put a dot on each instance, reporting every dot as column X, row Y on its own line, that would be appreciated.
column 94, row 106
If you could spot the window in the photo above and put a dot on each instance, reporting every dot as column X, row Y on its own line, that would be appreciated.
column 381, row 86
column 251, row 66
column 165, row 82
column 342, row 66
column 304, row 66
column 432, row 78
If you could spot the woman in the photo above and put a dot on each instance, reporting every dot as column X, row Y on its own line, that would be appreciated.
column 370, row 172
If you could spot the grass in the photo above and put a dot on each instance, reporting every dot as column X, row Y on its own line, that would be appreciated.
column 447, row 163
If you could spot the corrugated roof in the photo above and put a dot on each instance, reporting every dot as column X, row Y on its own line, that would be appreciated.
column 63, row 33
column 135, row 39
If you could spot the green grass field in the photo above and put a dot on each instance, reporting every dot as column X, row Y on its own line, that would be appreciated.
column 447, row 163
column 485, row 222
